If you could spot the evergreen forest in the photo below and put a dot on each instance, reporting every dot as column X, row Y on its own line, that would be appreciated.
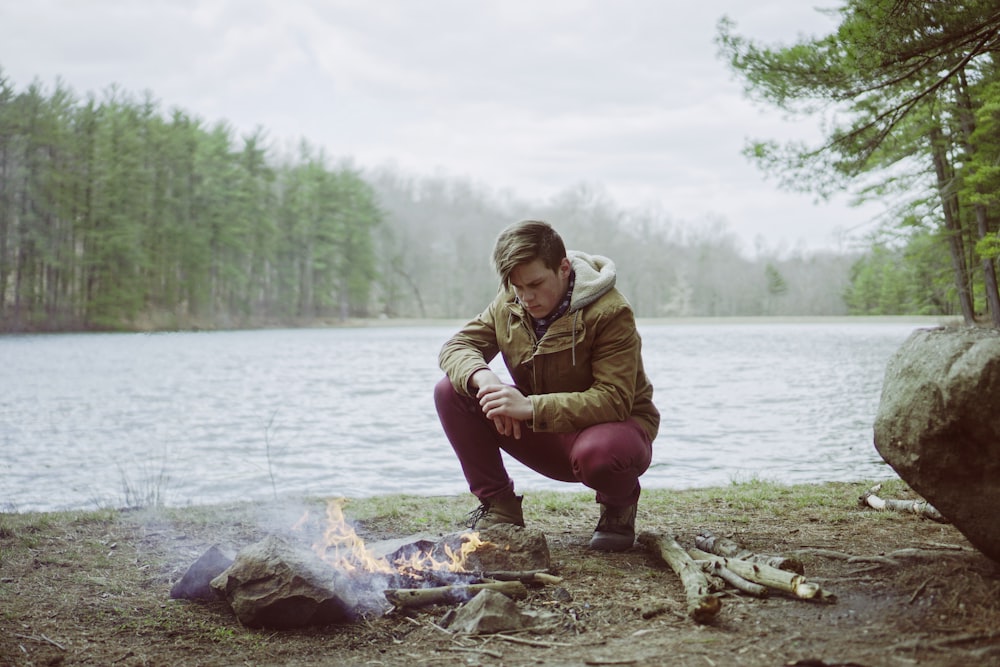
column 116, row 214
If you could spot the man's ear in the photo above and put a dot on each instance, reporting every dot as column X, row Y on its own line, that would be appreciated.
column 565, row 267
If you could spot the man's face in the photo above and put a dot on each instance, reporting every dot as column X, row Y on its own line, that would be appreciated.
column 539, row 289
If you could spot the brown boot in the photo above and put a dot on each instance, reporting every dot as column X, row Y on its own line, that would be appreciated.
column 616, row 529
column 491, row 512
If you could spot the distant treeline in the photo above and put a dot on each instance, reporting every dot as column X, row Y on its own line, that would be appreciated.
column 114, row 216
column 117, row 216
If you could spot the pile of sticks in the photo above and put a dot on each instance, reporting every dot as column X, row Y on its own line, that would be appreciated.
column 715, row 559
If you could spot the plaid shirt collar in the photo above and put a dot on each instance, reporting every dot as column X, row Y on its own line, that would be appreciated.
column 542, row 324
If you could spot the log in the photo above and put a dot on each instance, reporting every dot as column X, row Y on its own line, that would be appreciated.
column 918, row 507
column 781, row 580
column 735, row 580
column 702, row 605
column 722, row 546
column 422, row 597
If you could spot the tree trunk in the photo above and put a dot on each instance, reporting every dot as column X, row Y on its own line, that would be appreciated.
column 949, row 203
column 413, row 286
column 968, row 124
column 989, row 269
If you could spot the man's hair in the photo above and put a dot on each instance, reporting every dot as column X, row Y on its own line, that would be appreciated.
column 524, row 242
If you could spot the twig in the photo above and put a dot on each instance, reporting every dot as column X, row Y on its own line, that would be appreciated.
column 529, row 642
column 525, row 577
column 840, row 555
column 923, row 642
column 597, row 661
column 42, row 638
column 429, row 624
column 891, row 558
column 825, row 553
column 485, row 651
column 946, row 546
column 926, row 553
column 884, row 560
column 920, row 589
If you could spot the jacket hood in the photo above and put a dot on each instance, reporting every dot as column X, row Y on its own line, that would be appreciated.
column 595, row 277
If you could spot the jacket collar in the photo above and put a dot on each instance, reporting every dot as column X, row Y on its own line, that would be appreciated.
column 595, row 276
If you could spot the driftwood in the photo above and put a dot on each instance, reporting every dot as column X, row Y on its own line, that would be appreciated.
column 721, row 546
column 922, row 508
column 781, row 580
column 736, row 581
column 702, row 605
column 422, row 597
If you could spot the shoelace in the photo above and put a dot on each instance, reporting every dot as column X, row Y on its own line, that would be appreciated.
column 477, row 514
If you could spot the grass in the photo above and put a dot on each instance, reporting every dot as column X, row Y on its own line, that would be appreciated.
column 147, row 490
column 741, row 503
column 440, row 512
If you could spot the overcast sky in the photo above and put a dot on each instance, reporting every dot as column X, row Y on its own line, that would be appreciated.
column 528, row 96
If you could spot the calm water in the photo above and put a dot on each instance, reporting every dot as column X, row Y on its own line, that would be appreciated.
column 91, row 420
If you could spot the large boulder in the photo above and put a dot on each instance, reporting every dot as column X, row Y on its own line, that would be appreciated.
column 938, row 426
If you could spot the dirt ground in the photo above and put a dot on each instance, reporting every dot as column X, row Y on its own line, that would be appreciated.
column 93, row 589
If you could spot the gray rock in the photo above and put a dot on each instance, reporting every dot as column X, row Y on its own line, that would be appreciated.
column 276, row 585
column 196, row 582
column 509, row 547
column 938, row 426
column 490, row 612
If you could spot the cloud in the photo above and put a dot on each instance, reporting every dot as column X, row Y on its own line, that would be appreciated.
column 523, row 96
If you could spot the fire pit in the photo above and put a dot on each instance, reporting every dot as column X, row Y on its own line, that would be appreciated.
column 281, row 583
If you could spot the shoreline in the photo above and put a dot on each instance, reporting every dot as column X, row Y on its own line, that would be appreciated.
column 754, row 486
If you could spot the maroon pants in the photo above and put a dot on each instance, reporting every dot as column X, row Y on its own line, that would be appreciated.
column 608, row 458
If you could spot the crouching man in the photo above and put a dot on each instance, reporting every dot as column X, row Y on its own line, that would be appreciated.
column 580, row 409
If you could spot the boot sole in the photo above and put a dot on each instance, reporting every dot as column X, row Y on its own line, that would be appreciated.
column 611, row 542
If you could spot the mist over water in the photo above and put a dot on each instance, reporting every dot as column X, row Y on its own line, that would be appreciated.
column 91, row 420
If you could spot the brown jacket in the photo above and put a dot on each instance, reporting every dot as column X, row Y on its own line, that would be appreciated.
column 586, row 369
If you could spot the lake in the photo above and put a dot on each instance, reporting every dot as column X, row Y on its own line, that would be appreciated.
column 95, row 420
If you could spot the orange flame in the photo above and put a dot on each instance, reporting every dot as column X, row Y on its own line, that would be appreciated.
column 344, row 549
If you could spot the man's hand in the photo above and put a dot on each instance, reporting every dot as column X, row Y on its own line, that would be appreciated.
column 502, row 403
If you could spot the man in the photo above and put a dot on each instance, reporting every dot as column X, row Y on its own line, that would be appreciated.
column 580, row 409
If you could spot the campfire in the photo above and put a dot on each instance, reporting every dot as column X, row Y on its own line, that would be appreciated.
column 293, row 581
column 281, row 582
